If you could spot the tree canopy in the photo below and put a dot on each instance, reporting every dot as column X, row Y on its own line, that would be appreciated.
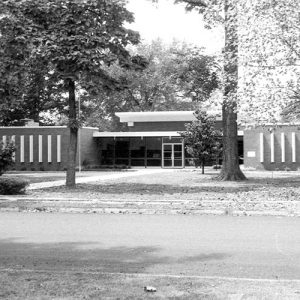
column 78, row 40
column 177, row 77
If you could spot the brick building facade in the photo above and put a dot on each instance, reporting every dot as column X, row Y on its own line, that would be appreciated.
column 150, row 139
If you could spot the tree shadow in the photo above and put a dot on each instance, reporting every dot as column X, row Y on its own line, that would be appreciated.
column 206, row 186
column 75, row 256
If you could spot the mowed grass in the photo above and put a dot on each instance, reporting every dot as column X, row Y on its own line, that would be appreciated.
column 79, row 285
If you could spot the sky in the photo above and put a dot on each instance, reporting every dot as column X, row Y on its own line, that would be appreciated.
column 169, row 21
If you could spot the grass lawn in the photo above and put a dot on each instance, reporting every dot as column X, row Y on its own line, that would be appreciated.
column 173, row 191
column 76, row 285
column 187, row 183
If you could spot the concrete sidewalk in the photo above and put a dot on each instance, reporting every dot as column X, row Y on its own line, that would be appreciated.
column 138, row 172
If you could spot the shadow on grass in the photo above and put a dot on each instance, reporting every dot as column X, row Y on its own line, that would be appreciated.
column 88, row 257
column 212, row 185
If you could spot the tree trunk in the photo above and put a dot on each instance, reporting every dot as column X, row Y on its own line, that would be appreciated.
column 72, row 149
column 230, row 166
column 203, row 163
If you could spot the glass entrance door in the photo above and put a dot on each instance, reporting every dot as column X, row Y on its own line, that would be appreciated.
column 172, row 155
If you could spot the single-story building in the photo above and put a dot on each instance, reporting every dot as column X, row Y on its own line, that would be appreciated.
column 151, row 139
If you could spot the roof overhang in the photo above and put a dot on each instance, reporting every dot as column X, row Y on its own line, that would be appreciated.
column 137, row 134
column 143, row 134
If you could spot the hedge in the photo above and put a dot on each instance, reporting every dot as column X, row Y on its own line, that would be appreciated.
column 12, row 186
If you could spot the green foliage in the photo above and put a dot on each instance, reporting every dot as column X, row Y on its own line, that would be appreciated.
column 201, row 139
column 45, row 43
column 6, row 156
column 78, row 40
column 12, row 186
column 177, row 77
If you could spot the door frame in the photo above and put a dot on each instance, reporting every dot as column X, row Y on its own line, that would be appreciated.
column 172, row 156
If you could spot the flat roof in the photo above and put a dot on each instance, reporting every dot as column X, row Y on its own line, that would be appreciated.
column 136, row 134
column 156, row 116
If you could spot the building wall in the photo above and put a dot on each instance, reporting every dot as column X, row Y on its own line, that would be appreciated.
column 262, row 151
column 46, row 148
column 162, row 126
column 88, row 147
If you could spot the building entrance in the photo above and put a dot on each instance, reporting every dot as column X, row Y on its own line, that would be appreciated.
column 173, row 155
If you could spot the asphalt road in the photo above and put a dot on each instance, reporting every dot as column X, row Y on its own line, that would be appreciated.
column 247, row 247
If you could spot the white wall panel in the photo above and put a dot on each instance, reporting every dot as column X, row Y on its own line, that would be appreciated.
column 272, row 147
column 261, row 147
column 49, row 148
column 282, row 147
column 31, row 148
column 293, row 147
column 58, row 148
column 40, row 148
column 22, row 154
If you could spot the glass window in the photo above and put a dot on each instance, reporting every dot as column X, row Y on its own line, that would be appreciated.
column 153, row 162
column 137, row 148
column 107, row 150
column 138, row 162
column 154, row 148
column 172, row 140
column 122, row 148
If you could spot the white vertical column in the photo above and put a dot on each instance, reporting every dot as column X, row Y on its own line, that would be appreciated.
column 40, row 148
column 272, row 148
column 261, row 147
column 22, row 148
column 293, row 147
column 58, row 148
column 13, row 141
column 282, row 147
column 31, row 148
column 3, row 141
column 49, row 149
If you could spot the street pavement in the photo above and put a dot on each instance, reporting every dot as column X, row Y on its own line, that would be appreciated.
column 254, row 248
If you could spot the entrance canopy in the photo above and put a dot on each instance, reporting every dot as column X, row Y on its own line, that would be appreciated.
column 143, row 134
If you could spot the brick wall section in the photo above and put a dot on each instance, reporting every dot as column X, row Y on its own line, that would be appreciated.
column 162, row 126
column 88, row 147
column 35, row 132
column 252, row 146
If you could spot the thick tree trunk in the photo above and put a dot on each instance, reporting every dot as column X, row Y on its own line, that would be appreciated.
column 230, row 166
column 71, row 167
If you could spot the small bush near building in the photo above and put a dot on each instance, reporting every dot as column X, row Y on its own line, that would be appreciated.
column 6, row 156
column 202, row 140
column 12, row 186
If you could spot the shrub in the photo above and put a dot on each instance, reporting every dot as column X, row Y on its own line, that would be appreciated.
column 216, row 167
column 6, row 156
column 12, row 186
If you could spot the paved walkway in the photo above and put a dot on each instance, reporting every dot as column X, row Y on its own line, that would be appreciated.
column 117, row 175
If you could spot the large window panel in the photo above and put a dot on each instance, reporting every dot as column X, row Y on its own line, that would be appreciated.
column 122, row 148
column 154, row 148
column 137, row 148
column 107, row 151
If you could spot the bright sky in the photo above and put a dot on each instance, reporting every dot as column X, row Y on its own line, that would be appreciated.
column 169, row 21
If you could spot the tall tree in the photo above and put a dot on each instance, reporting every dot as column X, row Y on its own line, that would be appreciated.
column 78, row 39
column 270, row 56
column 213, row 12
